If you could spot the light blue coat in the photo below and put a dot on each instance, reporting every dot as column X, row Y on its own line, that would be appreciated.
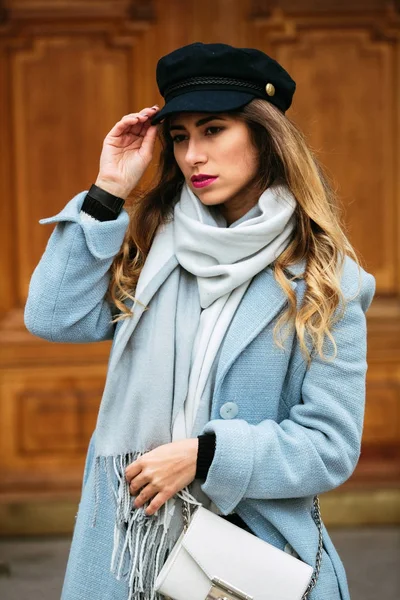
column 296, row 433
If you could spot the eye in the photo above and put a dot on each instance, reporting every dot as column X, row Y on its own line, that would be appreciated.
column 177, row 138
column 215, row 129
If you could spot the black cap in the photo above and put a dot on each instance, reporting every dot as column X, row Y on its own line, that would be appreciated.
column 218, row 78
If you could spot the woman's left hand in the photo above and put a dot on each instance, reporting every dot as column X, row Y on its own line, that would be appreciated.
column 162, row 472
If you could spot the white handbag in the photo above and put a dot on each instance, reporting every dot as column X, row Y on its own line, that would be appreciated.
column 214, row 559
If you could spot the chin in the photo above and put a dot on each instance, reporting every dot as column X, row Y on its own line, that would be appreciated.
column 210, row 197
column 211, row 201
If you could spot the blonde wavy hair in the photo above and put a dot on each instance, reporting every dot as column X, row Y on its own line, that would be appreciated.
column 318, row 238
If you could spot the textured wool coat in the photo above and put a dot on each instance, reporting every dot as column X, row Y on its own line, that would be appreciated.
column 283, row 433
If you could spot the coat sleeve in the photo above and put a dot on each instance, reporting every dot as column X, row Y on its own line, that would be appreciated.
column 318, row 446
column 66, row 298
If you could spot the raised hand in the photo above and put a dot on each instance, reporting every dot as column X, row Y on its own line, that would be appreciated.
column 127, row 151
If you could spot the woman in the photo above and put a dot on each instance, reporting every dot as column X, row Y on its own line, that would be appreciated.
column 236, row 306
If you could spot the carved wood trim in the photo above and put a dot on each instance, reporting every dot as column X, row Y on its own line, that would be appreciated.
column 264, row 8
column 19, row 348
column 285, row 26
column 81, row 9
column 53, row 511
column 14, row 34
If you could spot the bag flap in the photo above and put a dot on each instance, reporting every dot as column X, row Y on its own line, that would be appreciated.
column 227, row 552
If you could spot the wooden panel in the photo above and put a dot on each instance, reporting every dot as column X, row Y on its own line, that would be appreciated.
column 47, row 421
column 63, row 87
column 47, row 418
column 382, row 417
column 56, row 421
column 353, row 130
column 67, row 94
column 380, row 453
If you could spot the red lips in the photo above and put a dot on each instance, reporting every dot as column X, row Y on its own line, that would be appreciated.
column 202, row 177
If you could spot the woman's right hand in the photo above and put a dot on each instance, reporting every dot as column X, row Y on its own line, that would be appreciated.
column 127, row 152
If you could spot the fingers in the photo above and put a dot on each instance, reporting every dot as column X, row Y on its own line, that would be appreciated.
column 133, row 119
column 138, row 482
column 157, row 498
column 149, row 139
column 146, row 494
column 150, row 491
column 145, row 112
column 132, row 470
column 157, row 503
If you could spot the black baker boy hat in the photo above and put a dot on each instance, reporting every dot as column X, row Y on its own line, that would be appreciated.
column 218, row 78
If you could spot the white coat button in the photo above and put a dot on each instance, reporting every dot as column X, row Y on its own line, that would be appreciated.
column 229, row 410
column 290, row 550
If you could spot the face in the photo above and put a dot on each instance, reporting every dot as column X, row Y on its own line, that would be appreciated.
column 218, row 145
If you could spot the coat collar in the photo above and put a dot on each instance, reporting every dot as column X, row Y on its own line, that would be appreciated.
column 262, row 302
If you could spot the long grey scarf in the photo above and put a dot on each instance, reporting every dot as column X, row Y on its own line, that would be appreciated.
column 149, row 368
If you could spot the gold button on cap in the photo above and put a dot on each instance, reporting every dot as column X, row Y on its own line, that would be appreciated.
column 270, row 89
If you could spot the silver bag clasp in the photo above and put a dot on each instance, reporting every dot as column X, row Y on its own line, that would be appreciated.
column 221, row 590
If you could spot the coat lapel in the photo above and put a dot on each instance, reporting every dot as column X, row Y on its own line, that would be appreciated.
column 262, row 302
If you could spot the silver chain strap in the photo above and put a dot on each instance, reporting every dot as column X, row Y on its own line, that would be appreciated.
column 186, row 515
column 186, row 512
column 318, row 522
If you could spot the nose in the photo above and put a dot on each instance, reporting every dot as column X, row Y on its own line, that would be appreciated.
column 195, row 153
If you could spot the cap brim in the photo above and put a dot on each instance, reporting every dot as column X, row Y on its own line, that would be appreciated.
column 203, row 101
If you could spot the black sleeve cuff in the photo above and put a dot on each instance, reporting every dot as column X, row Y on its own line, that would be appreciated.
column 102, row 205
column 205, row 454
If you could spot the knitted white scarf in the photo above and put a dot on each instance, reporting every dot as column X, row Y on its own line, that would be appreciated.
column 147, row 399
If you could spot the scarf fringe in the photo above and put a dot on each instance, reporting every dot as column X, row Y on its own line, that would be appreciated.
column 141, row 543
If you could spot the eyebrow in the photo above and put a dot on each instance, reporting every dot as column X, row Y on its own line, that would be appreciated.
column 200, row 122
